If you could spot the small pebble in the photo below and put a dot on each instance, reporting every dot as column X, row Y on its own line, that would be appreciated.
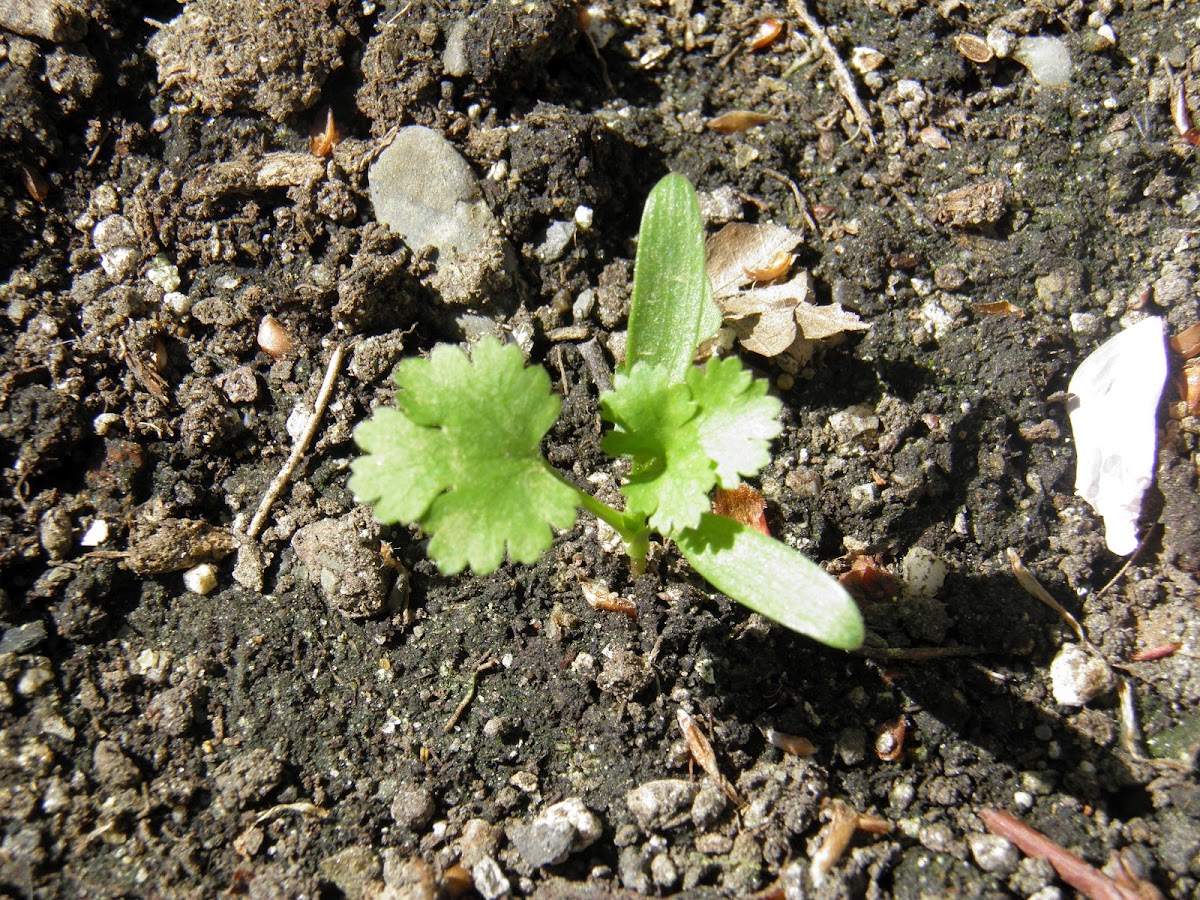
column 994, row 854
column 413, row 807
column 659, row 805
column 489, row 879
column 200, row 579
column 923, row 572
column 1077, row 677
column 663, row 872
column 558, row 831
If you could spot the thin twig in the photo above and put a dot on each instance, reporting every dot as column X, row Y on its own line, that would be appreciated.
column 845, row 81
column 802, row 207
column 1152, row 530
column 485, row 666
column 1085, row 878
column 915, row 654
column 301, row 446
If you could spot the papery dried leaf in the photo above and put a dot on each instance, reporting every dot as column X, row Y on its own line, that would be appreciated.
column 740, row 248
column 802, row 350
column 764, row 317
column 820, row 322
column 742, row 504
column 768, row 333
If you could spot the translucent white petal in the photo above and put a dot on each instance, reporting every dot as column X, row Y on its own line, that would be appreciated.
column 1114, row 402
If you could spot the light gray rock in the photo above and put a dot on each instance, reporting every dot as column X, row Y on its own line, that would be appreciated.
column 663, row 804
column 1077, row 677
column 423, row 189
column 557, row 832
column 342, row 558
column 489, row 879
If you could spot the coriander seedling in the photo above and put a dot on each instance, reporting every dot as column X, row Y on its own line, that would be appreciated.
column 459, row 454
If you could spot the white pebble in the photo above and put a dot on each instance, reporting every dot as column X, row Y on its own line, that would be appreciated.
column 200, row 579
column 1047, row 59
column 96, row 534
column 1077, row 677
column 923, row 572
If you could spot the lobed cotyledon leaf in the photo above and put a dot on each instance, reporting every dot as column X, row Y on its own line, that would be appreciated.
column 656, row 427
column 737, row 419
column 460, row 455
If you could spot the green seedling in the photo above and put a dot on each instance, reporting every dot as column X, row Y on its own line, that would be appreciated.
column 460, row 452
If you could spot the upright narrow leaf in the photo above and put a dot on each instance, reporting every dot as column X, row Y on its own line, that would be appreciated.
column 772, row 579
column 672, row 309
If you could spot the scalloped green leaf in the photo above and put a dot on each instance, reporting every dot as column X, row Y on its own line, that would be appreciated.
column 460, row 455
column 656, row 427
column 737, row 419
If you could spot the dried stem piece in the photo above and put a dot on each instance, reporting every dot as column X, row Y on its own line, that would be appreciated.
column 301, row 446
column 1033, row 587
column 1085, row 878
column 835, row 838
column 915, row 654
column 485, row 666
column 702, row 753
column 845, row 81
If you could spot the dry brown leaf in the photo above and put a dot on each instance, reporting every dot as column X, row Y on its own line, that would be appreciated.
column 769, row 319
column 767, row 333
column 702, row 752
column 820, row 322
column 739, row 247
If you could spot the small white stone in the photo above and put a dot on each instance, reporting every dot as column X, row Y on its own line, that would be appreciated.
column 120, row 263
column 489, row 879
column 200, row 579
column 96, row 534
column 1077, row 677
column 994, row 854
column 583, row 217
column 866, row 59
column 1047, row 59
column 179, row 305
column 923, row 572
column 164, row 273
column 298, row 421
column 116, row 241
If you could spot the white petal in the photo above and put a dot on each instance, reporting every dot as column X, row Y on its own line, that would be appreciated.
column 1114, row 402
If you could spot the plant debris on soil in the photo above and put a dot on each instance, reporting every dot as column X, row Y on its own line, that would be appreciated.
column 218, row 674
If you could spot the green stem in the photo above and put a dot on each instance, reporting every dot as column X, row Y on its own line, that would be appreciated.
column 632, row 529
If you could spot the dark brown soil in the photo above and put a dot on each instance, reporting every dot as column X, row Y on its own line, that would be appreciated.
column 409, row 737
